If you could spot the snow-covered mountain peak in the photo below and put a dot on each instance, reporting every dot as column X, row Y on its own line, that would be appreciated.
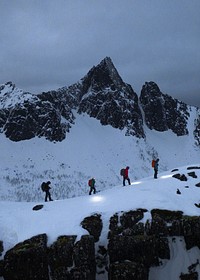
column 10, row 95
column 108, row 65
column 107, row 98
column 102, row 78
column 102, row 94
column 151, row 87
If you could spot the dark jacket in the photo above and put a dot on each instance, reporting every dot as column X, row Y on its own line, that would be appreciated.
column 156, row 165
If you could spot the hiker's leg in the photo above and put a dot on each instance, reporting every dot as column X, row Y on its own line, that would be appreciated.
column 94, row 190
column 90, row 191
column 129, row 182
column 46, row 196
column 50, row 197
column 124, row 181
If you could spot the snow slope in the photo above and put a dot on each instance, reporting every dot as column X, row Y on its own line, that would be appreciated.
column 90, row 149
column 63, row 217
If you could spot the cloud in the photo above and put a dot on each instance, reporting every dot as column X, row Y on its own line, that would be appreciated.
column 49, row 44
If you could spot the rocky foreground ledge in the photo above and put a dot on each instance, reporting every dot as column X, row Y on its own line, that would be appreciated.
column 132, row 248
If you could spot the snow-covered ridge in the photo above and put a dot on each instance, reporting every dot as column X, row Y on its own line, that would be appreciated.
column 19, row 222
column 10, row 96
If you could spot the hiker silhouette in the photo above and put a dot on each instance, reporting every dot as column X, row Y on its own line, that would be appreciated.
column 91, row 184
column 125, row 176
column 46, row 188
column 156, row 168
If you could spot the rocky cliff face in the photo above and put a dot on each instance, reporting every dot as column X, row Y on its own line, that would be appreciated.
column 197, row 128
column 162, row 112
column 106, row 97
column 24, row 115
column 133, row 248
column 101, row 94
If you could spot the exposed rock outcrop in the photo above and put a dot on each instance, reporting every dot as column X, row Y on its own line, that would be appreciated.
column 38, row 207
column 133, row 248
column 93, row 225
column 28, row 115
column 162, row 112
column 128, row 271
column 66, row 259
column 197, row 129
column 61, row 257
column 27, row 260
column 180, row 177
column 72, row 260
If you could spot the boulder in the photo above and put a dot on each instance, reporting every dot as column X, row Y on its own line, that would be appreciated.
column 180, row 177
column 93, row 225
column 60, row 257
column 38, row 207
column 27, row 260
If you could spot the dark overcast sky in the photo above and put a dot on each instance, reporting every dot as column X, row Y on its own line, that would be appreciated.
column 47, row 44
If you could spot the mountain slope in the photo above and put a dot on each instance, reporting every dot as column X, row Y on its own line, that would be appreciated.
column 102, row 94
column 89, row 150
column 19, row 222
column 92, row 128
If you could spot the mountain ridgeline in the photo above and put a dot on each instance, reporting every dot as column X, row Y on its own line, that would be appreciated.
column 103, row 95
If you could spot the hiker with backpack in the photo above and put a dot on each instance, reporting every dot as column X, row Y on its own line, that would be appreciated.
column 45, row 188
column 124, row 173
column 155, row 166
column 91, row 184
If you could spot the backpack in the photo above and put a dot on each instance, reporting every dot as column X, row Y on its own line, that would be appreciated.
column 122, row 172
column 44, row 187
column 153, row 163
column 90, row 182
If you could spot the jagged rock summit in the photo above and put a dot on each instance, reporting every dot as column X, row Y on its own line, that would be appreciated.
column 107, row 98
column 102, row 76
column 103, row 95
